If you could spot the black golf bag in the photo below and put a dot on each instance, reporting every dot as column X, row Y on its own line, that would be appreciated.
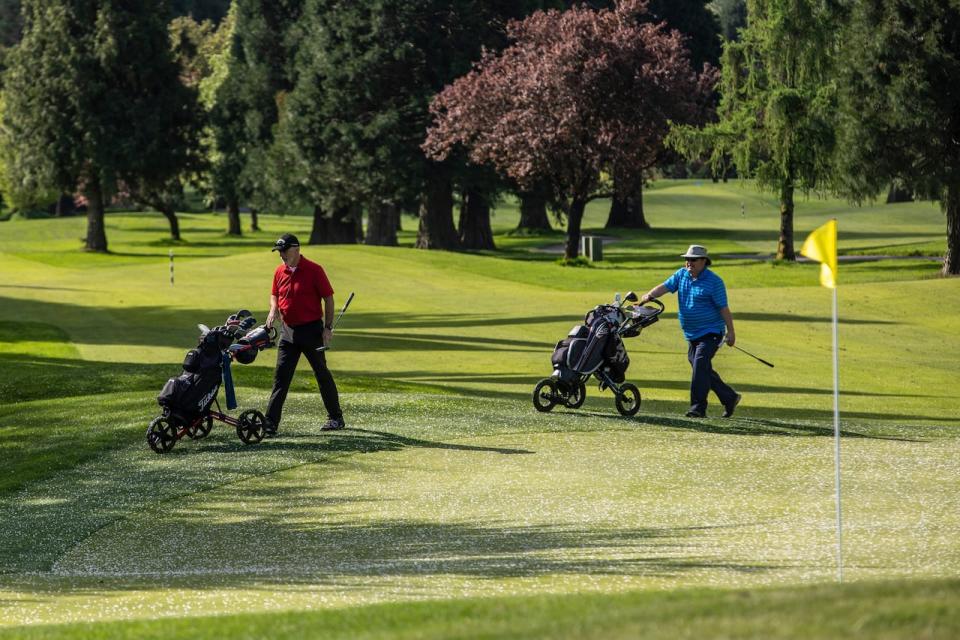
column 589, row 347
column 190, row 394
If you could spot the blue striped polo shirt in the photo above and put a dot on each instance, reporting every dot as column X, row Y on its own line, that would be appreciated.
column 699, row 302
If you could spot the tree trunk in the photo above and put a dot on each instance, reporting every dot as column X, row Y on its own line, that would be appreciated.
column 475, row 231
column 65, row 206
column 574, row 218
column 171, row 216
column 339, row 228
column 96, row 230
column 785, row 245
column 627, row 212
column 254, row 220
column 382, row 225
column 233, row 217
column 436, row 216
column 533, row 212
column 951, row 259
column 898, row 194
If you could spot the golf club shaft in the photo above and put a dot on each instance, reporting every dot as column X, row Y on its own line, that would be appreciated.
column 337, row 320
column 753, row 356
column 342, row 311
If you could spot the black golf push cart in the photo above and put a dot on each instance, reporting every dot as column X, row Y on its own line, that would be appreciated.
column 187, row 401
column 595, row 348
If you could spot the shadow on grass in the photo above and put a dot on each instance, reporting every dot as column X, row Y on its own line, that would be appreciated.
column 352, row 440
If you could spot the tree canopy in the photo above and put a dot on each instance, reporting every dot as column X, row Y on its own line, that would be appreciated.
column 777, row 106
column 575, row 94
column 900, row 109
column 106, row 109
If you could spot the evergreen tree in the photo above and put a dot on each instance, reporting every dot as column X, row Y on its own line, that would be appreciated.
column 108, row 108
column 900, row 63
column 366, row 75
column 777, row 104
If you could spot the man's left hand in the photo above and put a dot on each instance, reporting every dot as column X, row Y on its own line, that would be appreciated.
column 327, row 337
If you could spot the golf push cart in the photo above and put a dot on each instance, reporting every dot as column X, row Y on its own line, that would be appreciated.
column 187, row 400
column 595, row 348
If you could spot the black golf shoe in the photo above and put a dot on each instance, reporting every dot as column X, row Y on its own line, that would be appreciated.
column 694, row 414
column 269, row 429
column 333, row 424
column 728, row 409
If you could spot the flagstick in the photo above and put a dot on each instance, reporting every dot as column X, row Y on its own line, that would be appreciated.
column 836, row 437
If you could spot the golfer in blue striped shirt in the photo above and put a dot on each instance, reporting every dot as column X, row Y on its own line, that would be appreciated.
column 704, row 316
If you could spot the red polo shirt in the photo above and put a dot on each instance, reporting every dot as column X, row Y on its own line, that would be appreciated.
column 300, row 292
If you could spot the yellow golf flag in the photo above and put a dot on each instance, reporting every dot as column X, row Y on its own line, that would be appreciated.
column 821, row 245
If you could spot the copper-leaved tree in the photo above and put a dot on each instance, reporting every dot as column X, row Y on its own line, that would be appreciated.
column 577, row 93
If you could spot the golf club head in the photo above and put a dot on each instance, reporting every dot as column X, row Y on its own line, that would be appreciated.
column 631, row 297
column 247, row 323
column 204, row 329
column 243, row 313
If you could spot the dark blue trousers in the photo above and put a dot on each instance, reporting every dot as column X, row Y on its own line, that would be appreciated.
column 700, row 354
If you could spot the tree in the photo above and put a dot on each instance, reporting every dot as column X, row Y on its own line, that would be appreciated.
column 900, row 109
column 701, row 31
column 577, row 93
column 777, row 104
column 103, row 110
column 366, row 73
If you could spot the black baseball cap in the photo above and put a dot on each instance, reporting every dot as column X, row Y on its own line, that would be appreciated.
column 286, row 241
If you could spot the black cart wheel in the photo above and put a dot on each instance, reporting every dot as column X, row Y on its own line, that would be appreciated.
column 577, row 396
column 200, row 429
column 544, row 395
column 251, row 426
column 628, row 400
column 161, row 434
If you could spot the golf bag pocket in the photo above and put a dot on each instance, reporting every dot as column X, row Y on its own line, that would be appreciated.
column 561, row 353
column 197, row 360
column 559, row 357
column 190, row 394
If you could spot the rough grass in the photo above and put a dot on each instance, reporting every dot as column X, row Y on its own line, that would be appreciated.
column 448, row 486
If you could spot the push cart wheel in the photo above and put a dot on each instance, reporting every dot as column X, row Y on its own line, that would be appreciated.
column 161, row 434
column 544, row 395
column 251, row 426
column 200, row 429
column 577, row 396
column 628, row 400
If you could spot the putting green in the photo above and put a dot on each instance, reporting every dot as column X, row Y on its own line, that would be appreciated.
column 604, row 505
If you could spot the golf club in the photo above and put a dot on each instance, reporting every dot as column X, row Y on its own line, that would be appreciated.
column 334, row 327
column 769, row 364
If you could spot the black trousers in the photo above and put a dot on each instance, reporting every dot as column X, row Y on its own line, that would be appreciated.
column 303, row 339
column 705, row 379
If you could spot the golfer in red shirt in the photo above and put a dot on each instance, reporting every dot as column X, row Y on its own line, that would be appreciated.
column 304, row 298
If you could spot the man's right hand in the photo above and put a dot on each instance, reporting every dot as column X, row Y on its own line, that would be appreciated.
column 270, row 318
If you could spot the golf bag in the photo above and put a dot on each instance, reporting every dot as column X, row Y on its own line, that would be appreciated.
column 190, row 394
column 589, row 347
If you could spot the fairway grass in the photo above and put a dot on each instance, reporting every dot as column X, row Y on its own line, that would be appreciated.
column 449, row 504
